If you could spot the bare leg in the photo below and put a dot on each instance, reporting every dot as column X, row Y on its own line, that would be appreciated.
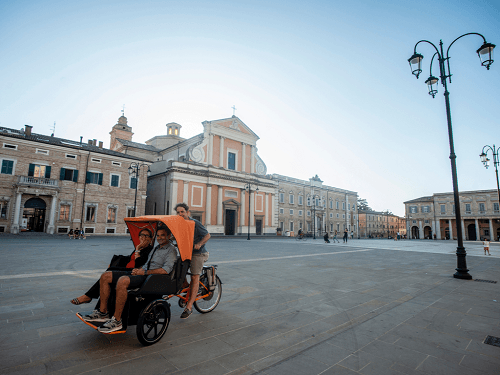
column 105, row 290
column 195, row 283
column 121, row 296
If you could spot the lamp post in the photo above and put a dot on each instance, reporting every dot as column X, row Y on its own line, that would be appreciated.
column 134, row 170
column 314, row 214
column 485, row 53
column 486, row 162
column 248, row 187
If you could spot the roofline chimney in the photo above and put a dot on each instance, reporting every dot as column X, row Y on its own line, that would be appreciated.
column 100, row 144
column 27, row 129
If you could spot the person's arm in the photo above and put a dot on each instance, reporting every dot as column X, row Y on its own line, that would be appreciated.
column 203, row 241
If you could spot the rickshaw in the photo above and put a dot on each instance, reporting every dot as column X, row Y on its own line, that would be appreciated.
column 147, row 307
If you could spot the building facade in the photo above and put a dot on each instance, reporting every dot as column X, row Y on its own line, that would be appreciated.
column 52, row 185
column 314, row 207
column 375, row 224
column 433, row 217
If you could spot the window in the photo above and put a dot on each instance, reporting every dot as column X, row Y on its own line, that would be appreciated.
column 348, row 206
column 13, row 147
column 231, row 161
column 301, row 200
column 116, row 163
column 343, row 216
column 331, row 227
column 70, row 156
column 331, row 216
column 282, row 211
column 94, row 160
column 331, row 205
column 111, row 215
column 36, row 170
column 44, row 152
column 130, row 212
column 68, row 175
column 413, row 209
column 290, row 199
column 300, row 212
column 308, row 213
column 308, row 226
column 343, row 205
column 282, row 198
column 467, row 207
column 281, row 225
column 90, row 213
column 443, row 209
column 115, row 180
column 231, row 193
column 316, row 202
column 481, row 207
column 308, row 201
column 425, row 209
column 133, row 182
column 64, row 212
column 7, row 166
column 338, row 216
column 94, row 178
column 89, row 230
column 337, row 205
column 495, row 207
column 291, row 212
column 3, row 210
column 300, row 224
column 338, row 227
column 291, row 226
column 110, row 230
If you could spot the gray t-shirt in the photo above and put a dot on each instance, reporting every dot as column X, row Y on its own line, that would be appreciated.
column 162, row 257
column 199, row 232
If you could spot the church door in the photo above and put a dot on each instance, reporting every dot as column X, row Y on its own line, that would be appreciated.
column 230, row 226
column 34, row 213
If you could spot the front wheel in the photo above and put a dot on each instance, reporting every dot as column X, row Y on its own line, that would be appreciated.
column 153, row 322
column 211, row 301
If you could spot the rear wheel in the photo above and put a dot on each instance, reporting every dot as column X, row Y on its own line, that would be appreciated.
column 211, row 301
column 153, row 322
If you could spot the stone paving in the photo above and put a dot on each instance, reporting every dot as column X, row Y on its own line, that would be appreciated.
column 288, row 307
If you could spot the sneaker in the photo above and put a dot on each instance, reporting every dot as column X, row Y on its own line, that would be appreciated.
column 96, row 316
column 185, row 314
column 111, row 325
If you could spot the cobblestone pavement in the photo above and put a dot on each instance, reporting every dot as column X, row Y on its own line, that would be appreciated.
column 288, row 307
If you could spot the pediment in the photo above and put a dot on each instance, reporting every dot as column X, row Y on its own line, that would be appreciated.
column 233, row 124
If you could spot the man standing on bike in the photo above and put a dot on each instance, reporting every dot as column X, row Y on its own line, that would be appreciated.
column 199, row 257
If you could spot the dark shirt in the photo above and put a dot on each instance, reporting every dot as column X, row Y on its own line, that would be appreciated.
column 199, row 232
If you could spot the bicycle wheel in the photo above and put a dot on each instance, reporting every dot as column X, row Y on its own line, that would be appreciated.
column 153, row 322
column 210, row 302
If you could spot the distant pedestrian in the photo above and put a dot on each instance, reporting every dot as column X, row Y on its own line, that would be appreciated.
column 325, row 237
column 398, row 236
column 346, row 235
column 335, row 237
column 352, row 235
column 486, row 244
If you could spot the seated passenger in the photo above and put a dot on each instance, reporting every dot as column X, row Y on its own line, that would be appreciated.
column 137, row 259
column 70, row 234
column 161, row 262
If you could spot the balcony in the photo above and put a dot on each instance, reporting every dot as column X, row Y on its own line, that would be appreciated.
column 37, row 181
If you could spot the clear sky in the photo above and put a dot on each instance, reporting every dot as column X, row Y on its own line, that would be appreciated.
column 325, row 84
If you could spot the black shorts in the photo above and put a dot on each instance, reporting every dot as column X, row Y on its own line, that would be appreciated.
column 135, row 281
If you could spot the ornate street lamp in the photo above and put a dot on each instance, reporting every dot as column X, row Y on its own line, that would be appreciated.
column 486, row 162
column 134, row 170
column 248, row 187
column 485, row 53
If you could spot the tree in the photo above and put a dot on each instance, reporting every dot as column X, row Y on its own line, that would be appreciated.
column 363, row 205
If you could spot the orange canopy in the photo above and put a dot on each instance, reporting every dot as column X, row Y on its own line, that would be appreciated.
column 182, row 230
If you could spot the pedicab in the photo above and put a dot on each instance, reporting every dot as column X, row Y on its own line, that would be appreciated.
column 148, row 307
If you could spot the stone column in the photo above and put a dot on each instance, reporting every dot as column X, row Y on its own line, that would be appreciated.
column 273, row 212
column 420, row 230
column 252, row 209
column 492, row 235
column 50, row 228
column 219, row 207
column 478, row 233
column 243, row 156
column 17, row 213
column 266, row 213
column 438, row 230
column 243, row 208
column 221, row 152
column 185, row 193
column 463, row 230
column 450, row 223
column 252, row 159
column 208, row 212
column 210, row 148
column 173, row 197
column 433, row 229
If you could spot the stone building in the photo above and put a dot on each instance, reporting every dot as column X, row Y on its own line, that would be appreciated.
column 375, row 224
column 52, row 185
column 210, row 172
column 312, row 206
column 434, row 216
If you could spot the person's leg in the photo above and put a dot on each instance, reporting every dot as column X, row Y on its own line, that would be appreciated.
column 105, row 290
column 121, row 296
column 196, row 269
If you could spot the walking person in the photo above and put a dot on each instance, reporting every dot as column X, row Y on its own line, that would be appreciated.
column 335, row 237
column 486, row 245
column 346, row 235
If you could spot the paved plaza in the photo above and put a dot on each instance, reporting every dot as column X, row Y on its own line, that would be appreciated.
column 288, row 307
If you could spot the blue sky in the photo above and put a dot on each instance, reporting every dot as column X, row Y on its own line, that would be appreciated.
column 325, row 84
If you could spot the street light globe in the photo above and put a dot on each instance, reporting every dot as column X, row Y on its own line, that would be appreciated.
column 432, row 85
column 416, row 64
column 485, row 53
